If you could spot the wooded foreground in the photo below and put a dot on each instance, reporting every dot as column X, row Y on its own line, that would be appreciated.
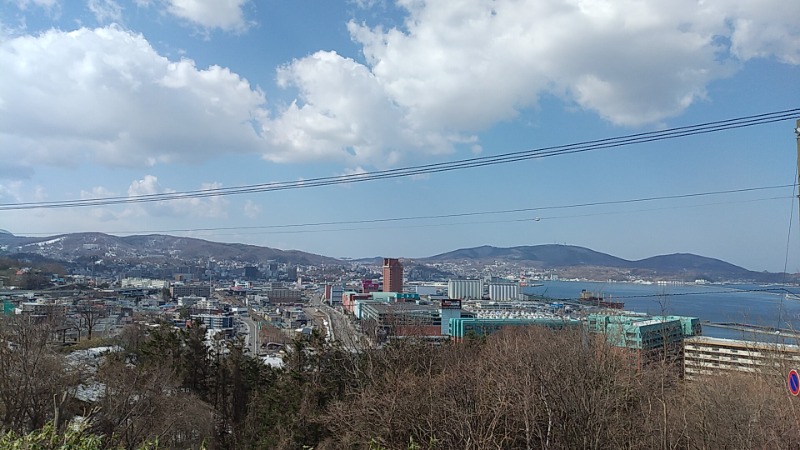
column 522, row 388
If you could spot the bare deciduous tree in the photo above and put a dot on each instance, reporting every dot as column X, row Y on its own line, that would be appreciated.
column 31, row 374
column 143, row 403
column 90, row 312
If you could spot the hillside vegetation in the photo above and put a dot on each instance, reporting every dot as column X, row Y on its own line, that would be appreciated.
column 524, row 388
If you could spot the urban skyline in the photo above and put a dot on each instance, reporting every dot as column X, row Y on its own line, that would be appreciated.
column 123, row 99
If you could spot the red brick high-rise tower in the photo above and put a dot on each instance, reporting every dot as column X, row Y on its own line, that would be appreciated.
column 392, row 275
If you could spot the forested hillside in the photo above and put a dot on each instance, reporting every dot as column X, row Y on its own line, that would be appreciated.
column 524, row 388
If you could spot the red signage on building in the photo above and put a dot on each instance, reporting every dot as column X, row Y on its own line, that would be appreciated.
column 451, row 304
column 368, row 286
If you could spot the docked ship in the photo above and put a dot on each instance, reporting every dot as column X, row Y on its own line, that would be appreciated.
column 595, row 299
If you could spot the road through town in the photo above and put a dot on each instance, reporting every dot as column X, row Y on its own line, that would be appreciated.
column 342, row 329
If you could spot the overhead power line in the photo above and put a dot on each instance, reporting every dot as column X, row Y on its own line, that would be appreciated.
column 485, row 213
column 293, row 227
column 228, row 231
column 505, row 158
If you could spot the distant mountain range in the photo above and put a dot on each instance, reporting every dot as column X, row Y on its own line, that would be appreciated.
column 682, row 266
column 548, row 256
column 567, row 260
column 153, row 248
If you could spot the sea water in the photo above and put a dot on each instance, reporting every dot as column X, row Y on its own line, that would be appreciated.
column 760, row 305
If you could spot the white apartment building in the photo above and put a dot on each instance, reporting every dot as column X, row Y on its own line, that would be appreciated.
column 703, row 355
column 503, row 291
column 464, row 289
column 143, row 283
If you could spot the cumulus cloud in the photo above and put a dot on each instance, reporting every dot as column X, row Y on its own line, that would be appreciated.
column 343, row 112
column 469, row 64
column 226, row 15
column 450, row 71
column 208, row 207
column 458, row 67
column 107, row 96
column 762, row 30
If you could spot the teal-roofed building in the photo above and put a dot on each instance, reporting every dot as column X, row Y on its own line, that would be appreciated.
column 648, row 337
column 393, row 297
column 458, row 328
column 8, row 307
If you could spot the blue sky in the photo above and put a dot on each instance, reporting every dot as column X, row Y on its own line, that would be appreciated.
column 106, row 98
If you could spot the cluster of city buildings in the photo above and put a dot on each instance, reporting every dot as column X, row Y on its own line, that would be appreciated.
column 384, row 307
column 474, row 307
column 82, row 311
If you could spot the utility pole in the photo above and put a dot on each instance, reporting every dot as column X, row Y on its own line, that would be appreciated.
column 797, row 135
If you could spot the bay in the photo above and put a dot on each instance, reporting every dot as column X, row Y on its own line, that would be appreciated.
column 759, row 305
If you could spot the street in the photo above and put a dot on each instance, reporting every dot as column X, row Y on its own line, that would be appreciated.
column 342, row 329
column 251, row 339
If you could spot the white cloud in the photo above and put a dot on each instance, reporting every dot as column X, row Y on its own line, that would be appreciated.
column 226, row 15
column 105, row 95
column 51, row 8
column 105, row 11
column 102, row 214
column 354, row 172
column 467, row 65
column 97, row 192
column 10, row 192
column 452, row 70
column 766, row 29
column 367, row 4
column 458, row 67
column 344, row 113
column 17, row 191
column 251, row 209
column 208, row 207
column 47, row 4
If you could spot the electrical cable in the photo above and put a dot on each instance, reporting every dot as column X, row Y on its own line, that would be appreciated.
column 474, row 213
column 606, row 143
